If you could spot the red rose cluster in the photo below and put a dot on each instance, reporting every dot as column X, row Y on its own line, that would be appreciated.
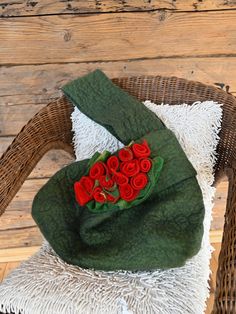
column 120, row 177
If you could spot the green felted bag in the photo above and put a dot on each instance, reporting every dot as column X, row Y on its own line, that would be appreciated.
column 161, row 228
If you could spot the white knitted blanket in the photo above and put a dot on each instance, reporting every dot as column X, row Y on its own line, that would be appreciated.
column 46, row 284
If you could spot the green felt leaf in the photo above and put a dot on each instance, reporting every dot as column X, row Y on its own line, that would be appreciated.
column 114, row 192
column 96, row 183
column 103, row 157
column 93, row 159
column 95, row 206
column 98, row 157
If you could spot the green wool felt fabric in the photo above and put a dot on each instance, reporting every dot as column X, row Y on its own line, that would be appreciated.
column 162, row 232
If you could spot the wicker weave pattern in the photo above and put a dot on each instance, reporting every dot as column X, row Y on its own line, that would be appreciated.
column 51, row 129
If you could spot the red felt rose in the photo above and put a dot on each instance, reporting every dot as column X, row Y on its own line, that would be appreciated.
column 120, row 178
column 111, row 198
column 83, row 190
column 139, row 181
column 97, row 170
column 145, row 164
column 125, row 154
column 141, row 150
column 130, row 168
column 99, row 195
column 127, row 193
column 113, row 163
column 106, row 182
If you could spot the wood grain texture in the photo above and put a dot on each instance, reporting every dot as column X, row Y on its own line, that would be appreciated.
column 220, row 206
column 16, row 254
column 17, row 228
column 216, row 235
column 16, row 219
column 23, row 199
column 32, row 7
column 11, row 117
column 10, row 267
column 24, row 237
column 42, row 7
column 37, row 84
column 2, row 270
column 117, row 36
column 28, row 88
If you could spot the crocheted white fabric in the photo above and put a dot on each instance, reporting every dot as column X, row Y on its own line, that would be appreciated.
column 46, row 284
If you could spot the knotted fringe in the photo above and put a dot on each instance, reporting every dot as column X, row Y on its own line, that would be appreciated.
column 46, row 284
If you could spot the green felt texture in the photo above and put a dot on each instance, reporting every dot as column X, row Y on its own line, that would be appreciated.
column 102, row 101
column 161, row 232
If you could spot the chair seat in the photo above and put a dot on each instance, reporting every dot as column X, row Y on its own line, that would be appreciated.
column 51, row 129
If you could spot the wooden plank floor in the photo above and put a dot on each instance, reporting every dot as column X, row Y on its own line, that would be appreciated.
column 46, row 43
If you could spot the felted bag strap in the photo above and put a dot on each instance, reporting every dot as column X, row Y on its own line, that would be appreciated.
column 105, row 103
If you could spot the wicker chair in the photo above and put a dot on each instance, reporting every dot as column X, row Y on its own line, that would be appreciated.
column 50, row 128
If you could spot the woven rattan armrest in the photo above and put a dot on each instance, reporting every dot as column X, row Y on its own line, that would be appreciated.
column 225, row 294
column 49, row 129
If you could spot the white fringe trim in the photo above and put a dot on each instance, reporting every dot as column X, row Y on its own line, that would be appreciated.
column 46, row 284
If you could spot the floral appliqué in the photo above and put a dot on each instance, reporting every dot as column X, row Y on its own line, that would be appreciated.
column 120, row 179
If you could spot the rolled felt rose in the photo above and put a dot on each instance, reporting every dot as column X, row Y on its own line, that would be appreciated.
column 99, row 195
column 139, row 181
column 111, row 198
column 84, row 190
column 141, row 150
column 97, row 170
column 145, row 164
column 125, row 154
column 120, row 178
column 106, row 182
column 127, row 193
column 130, row 168
column 113, row 163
